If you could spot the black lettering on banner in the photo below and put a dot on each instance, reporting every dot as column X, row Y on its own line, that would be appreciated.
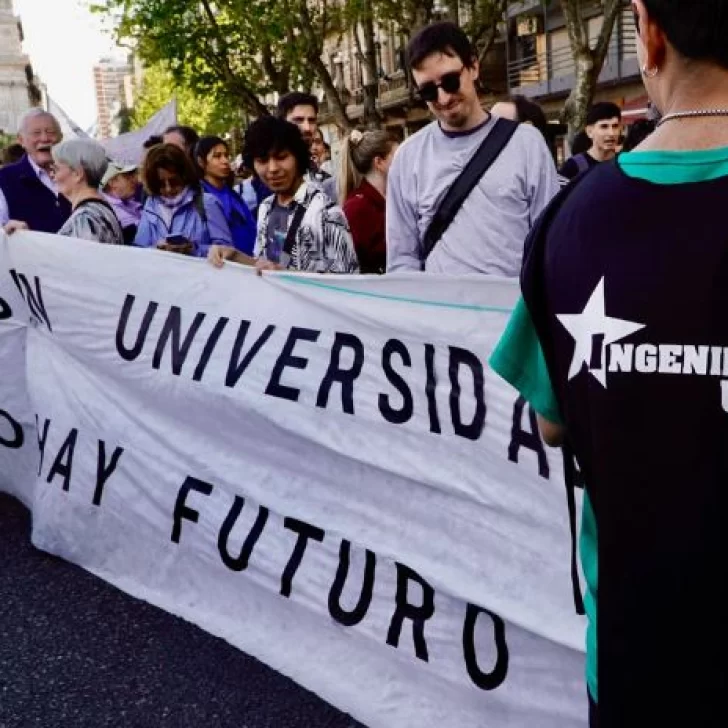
column 182, row 510
column 240, row 562
column 209, row 348
column 345, row 377
column 458, row 358
column 496, row 677
column 405, row 610
column 430, row 389
column 42, row 435
column 173, row 329
column 349, row 619
column 596, row 352
column 305, row 532
column 141, row 337
column 34, row 300
column 286, row 359
column 105, row 470
column 5, row 311
column 531, row 440
column 237, row 367
column 18, row 436
column 404, row 414
column 63, row 464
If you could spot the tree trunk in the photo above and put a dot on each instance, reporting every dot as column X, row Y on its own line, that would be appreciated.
column 313, row 54
column 368, row 57
column 249, row 98
column 588, row 62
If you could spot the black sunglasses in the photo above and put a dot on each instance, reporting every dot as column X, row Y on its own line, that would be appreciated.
column 449, row 83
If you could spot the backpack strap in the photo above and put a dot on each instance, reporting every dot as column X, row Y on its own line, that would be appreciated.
column 582, row 164
column 490, row 149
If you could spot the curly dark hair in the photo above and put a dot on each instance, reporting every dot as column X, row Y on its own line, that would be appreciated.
column 269, row 135
column 172, row 159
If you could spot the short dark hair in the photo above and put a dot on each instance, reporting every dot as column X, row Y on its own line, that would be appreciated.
column 190, row 136
column 152, row 141
column 581, row 144
column 529, row 112
column 171, row 158
column 268, row 135
column 697, row 30
column 287, row 103
column 637, row 132
column 603, row 111
column 446, row 38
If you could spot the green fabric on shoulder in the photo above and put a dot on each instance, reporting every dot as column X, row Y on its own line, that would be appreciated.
column 518, row 357
column 519, row 360
column 676, row 168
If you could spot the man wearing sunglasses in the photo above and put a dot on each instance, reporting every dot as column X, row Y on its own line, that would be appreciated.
column 487, row 232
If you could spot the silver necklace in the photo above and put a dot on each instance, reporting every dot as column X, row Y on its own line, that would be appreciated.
column 695, row 113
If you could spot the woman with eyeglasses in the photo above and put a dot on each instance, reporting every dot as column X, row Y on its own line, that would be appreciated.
column 78, row 168
column 178, row 216
column 621, row 346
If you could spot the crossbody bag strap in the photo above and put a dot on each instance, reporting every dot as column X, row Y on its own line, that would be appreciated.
column 293, row 228
column 481, row 162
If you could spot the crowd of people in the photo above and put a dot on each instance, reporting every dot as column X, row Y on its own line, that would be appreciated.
column 618, row 246
column 292, row 209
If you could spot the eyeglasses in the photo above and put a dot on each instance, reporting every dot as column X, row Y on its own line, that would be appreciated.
column 449, row 83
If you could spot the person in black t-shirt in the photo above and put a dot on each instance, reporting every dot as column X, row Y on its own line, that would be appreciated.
column 626, row 283
column 603, row 127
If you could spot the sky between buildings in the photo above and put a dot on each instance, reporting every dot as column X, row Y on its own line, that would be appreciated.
column 64, row 41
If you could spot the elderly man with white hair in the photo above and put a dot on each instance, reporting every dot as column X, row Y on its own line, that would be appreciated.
column 28, row 192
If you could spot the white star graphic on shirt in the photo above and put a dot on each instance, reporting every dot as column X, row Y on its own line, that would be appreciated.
column 592, row 322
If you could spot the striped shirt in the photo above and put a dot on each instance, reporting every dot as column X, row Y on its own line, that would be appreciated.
column 94, row 220
column 323, row 242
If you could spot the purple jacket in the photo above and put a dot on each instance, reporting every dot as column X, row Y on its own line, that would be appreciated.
column 186, row 221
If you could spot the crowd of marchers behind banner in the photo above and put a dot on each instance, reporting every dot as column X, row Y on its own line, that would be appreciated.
column 283, row 205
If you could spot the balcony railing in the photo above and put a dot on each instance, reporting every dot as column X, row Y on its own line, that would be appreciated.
column 553, row 71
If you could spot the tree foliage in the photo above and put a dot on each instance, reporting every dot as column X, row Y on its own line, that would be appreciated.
column 208, row 113
column 241, row 51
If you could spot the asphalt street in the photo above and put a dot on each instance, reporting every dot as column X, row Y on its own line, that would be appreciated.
column 77, row 653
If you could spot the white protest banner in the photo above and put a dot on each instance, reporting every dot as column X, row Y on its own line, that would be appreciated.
column 322, row 470
column 128, row 148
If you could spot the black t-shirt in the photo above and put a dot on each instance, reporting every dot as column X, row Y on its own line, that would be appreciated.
column 577, row 164
column 628, row 289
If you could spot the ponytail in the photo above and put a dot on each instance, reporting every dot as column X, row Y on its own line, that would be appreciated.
column 358, row 153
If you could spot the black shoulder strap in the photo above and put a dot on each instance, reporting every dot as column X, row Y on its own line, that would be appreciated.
column 296, row 221
column 482, row 160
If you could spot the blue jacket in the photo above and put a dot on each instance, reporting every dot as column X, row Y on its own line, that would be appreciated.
column 237, row 215
column 30, row 200
column 185, row 221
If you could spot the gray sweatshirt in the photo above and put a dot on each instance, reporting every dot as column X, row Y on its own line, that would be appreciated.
column 488, row 233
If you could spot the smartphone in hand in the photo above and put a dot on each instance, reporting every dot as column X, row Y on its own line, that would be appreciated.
column 176, row 240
